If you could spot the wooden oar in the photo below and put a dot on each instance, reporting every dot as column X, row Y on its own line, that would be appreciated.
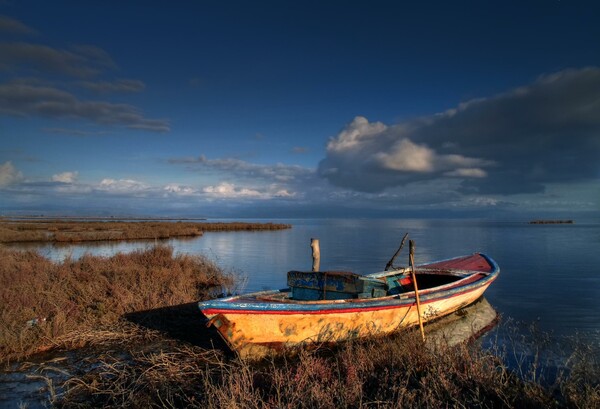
column 411, row 260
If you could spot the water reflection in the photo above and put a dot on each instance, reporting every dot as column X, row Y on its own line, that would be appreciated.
column 466, row 324
column 62, row 251
column 549, row 272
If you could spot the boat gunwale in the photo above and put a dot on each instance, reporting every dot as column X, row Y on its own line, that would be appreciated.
column 237, row 305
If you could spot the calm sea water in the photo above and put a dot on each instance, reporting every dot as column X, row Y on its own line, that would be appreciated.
column 550, row 274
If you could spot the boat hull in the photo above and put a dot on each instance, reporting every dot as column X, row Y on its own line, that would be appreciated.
column 255, row 328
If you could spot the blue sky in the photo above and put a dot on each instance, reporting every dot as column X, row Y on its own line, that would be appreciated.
column 284, row 109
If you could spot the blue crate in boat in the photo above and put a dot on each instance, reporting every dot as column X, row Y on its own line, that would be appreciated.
column 333, row 285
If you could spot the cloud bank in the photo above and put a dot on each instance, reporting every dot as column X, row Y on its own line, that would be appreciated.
column 277, row 173
column 44, row 81
column 242, row 180
column 512, row 143
column 29, row 100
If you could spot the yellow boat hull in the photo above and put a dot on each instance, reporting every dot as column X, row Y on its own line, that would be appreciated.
column 256, row 335
column 260, row 323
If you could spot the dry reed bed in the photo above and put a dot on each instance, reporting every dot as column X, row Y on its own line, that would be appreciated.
column 132, row 366
column 395, row 372
column 77, row 231
column 70, row 298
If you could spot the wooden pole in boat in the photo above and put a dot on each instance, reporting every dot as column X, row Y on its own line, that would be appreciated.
column 411, row 260
column 390, row 263
column 316, row 254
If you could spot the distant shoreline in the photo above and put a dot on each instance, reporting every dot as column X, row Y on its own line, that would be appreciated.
column 67, row 230
column 99, row 218
column 551, row 222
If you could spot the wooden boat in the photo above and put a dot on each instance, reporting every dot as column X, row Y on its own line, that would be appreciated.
column 323, row 307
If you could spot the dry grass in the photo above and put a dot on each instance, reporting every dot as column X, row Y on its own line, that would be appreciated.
column 133, row 365
column 77, row 231
column 396, row 372
column 72, row 297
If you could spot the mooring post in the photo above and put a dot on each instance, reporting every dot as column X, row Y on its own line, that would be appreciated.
column 316, row 254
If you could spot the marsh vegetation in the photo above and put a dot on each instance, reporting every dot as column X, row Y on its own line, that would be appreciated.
column 133, row 318
column 69, row 231
column 46, row 304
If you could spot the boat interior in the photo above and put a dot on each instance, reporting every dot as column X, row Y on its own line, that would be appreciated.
column 341, row 285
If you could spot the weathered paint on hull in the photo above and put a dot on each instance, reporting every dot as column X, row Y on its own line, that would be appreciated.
column 254, row 335
column 258, row 323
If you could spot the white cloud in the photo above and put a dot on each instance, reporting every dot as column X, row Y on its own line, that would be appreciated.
column 9, row 174
column 484, row 201
column 251, row 181
column 408, row 156
column 516, row 142
column 226, row 190
column 230, row 191
column 122, row 185
column 247, row 181
column 357, row 133
column 180, row 190
column 284, row 193
column 467, row 173
column 66, row 177
column 384, row 157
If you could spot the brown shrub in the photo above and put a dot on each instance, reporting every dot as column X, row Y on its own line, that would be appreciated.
column 94, row 291
column 395, row 372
